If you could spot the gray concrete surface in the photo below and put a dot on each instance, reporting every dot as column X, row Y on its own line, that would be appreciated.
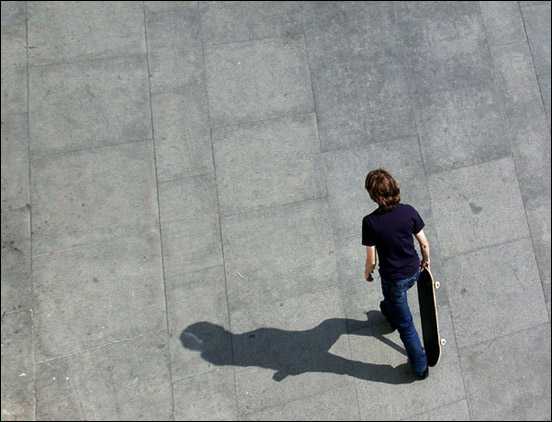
column 199, row 166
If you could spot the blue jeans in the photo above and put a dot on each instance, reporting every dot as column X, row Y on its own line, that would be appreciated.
column 395, row 308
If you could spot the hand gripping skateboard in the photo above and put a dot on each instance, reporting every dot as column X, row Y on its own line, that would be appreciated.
column 429, row 317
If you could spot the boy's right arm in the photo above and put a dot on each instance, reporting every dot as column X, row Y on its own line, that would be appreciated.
column 424, row 248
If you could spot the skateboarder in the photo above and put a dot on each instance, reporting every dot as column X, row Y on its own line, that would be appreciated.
column 390, row 229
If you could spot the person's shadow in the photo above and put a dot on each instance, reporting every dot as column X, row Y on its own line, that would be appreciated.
column 296, row 352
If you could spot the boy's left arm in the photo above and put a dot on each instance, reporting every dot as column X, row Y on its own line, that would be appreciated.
column 370, row 263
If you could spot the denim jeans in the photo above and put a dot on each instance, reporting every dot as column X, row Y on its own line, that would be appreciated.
column 395, row 308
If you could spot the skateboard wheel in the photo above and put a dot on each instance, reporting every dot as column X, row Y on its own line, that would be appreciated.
column 443, row 342
column 437, row 284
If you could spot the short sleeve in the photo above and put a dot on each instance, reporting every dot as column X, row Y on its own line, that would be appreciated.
column 368, row 238
column 417, row 222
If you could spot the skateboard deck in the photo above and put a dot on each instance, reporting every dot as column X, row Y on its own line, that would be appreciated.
column 429, row 317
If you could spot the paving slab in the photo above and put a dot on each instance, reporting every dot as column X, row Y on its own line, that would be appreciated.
column 174, row 49
column 503, row 22
column 458, row 411
column 538, row 216
column 13, row 32
column 17, row 366
column 524, row 4
column 14, row 58
column 334, row 405
column 290, row 336
column 92, row 196
column 206, row 397
column 16, row 242
column 179, row 95
column 485, row 306
column 127, row 380
column 280, row 252
column 182, row 137
column 361, row 92
column 164, row 6
column 446, row 46
column 344, row 29
column 537, row 25
column 544, row 83
column 224, row 21
column 195, row 300
column 15, row 226
column 89, row 104
column 461, row 128
column 15, row 159
column 346, row 173
column 525, row 119
column 272, row 344
column 62, row 32
column 516, row 74
column 189, row 224
column 389, row 390
column 14, row 88
column 16, row 259
column 509, row 377
column 257, row 80
column 117, row 284
column 469, row 214
column 362, row 101
column 266, row 164
column 531, row 151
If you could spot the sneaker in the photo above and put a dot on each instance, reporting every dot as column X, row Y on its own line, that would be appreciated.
column 424, row 375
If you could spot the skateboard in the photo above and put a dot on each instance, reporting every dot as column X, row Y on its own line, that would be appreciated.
column 429, row 317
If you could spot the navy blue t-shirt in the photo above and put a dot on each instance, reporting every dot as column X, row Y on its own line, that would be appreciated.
column 391, row 232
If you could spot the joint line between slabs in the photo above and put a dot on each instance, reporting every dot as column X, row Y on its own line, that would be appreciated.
column 168, row 337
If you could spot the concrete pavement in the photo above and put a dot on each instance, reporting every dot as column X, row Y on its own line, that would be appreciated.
column 182, row 195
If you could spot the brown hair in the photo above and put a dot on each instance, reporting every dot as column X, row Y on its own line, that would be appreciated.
column 383, row 188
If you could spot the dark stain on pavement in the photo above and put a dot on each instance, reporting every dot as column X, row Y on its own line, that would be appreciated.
column 475, row 208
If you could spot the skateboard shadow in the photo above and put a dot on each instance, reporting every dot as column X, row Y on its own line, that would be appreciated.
column 291, row 353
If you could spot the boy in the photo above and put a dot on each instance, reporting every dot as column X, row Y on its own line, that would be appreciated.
column 390, row 229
